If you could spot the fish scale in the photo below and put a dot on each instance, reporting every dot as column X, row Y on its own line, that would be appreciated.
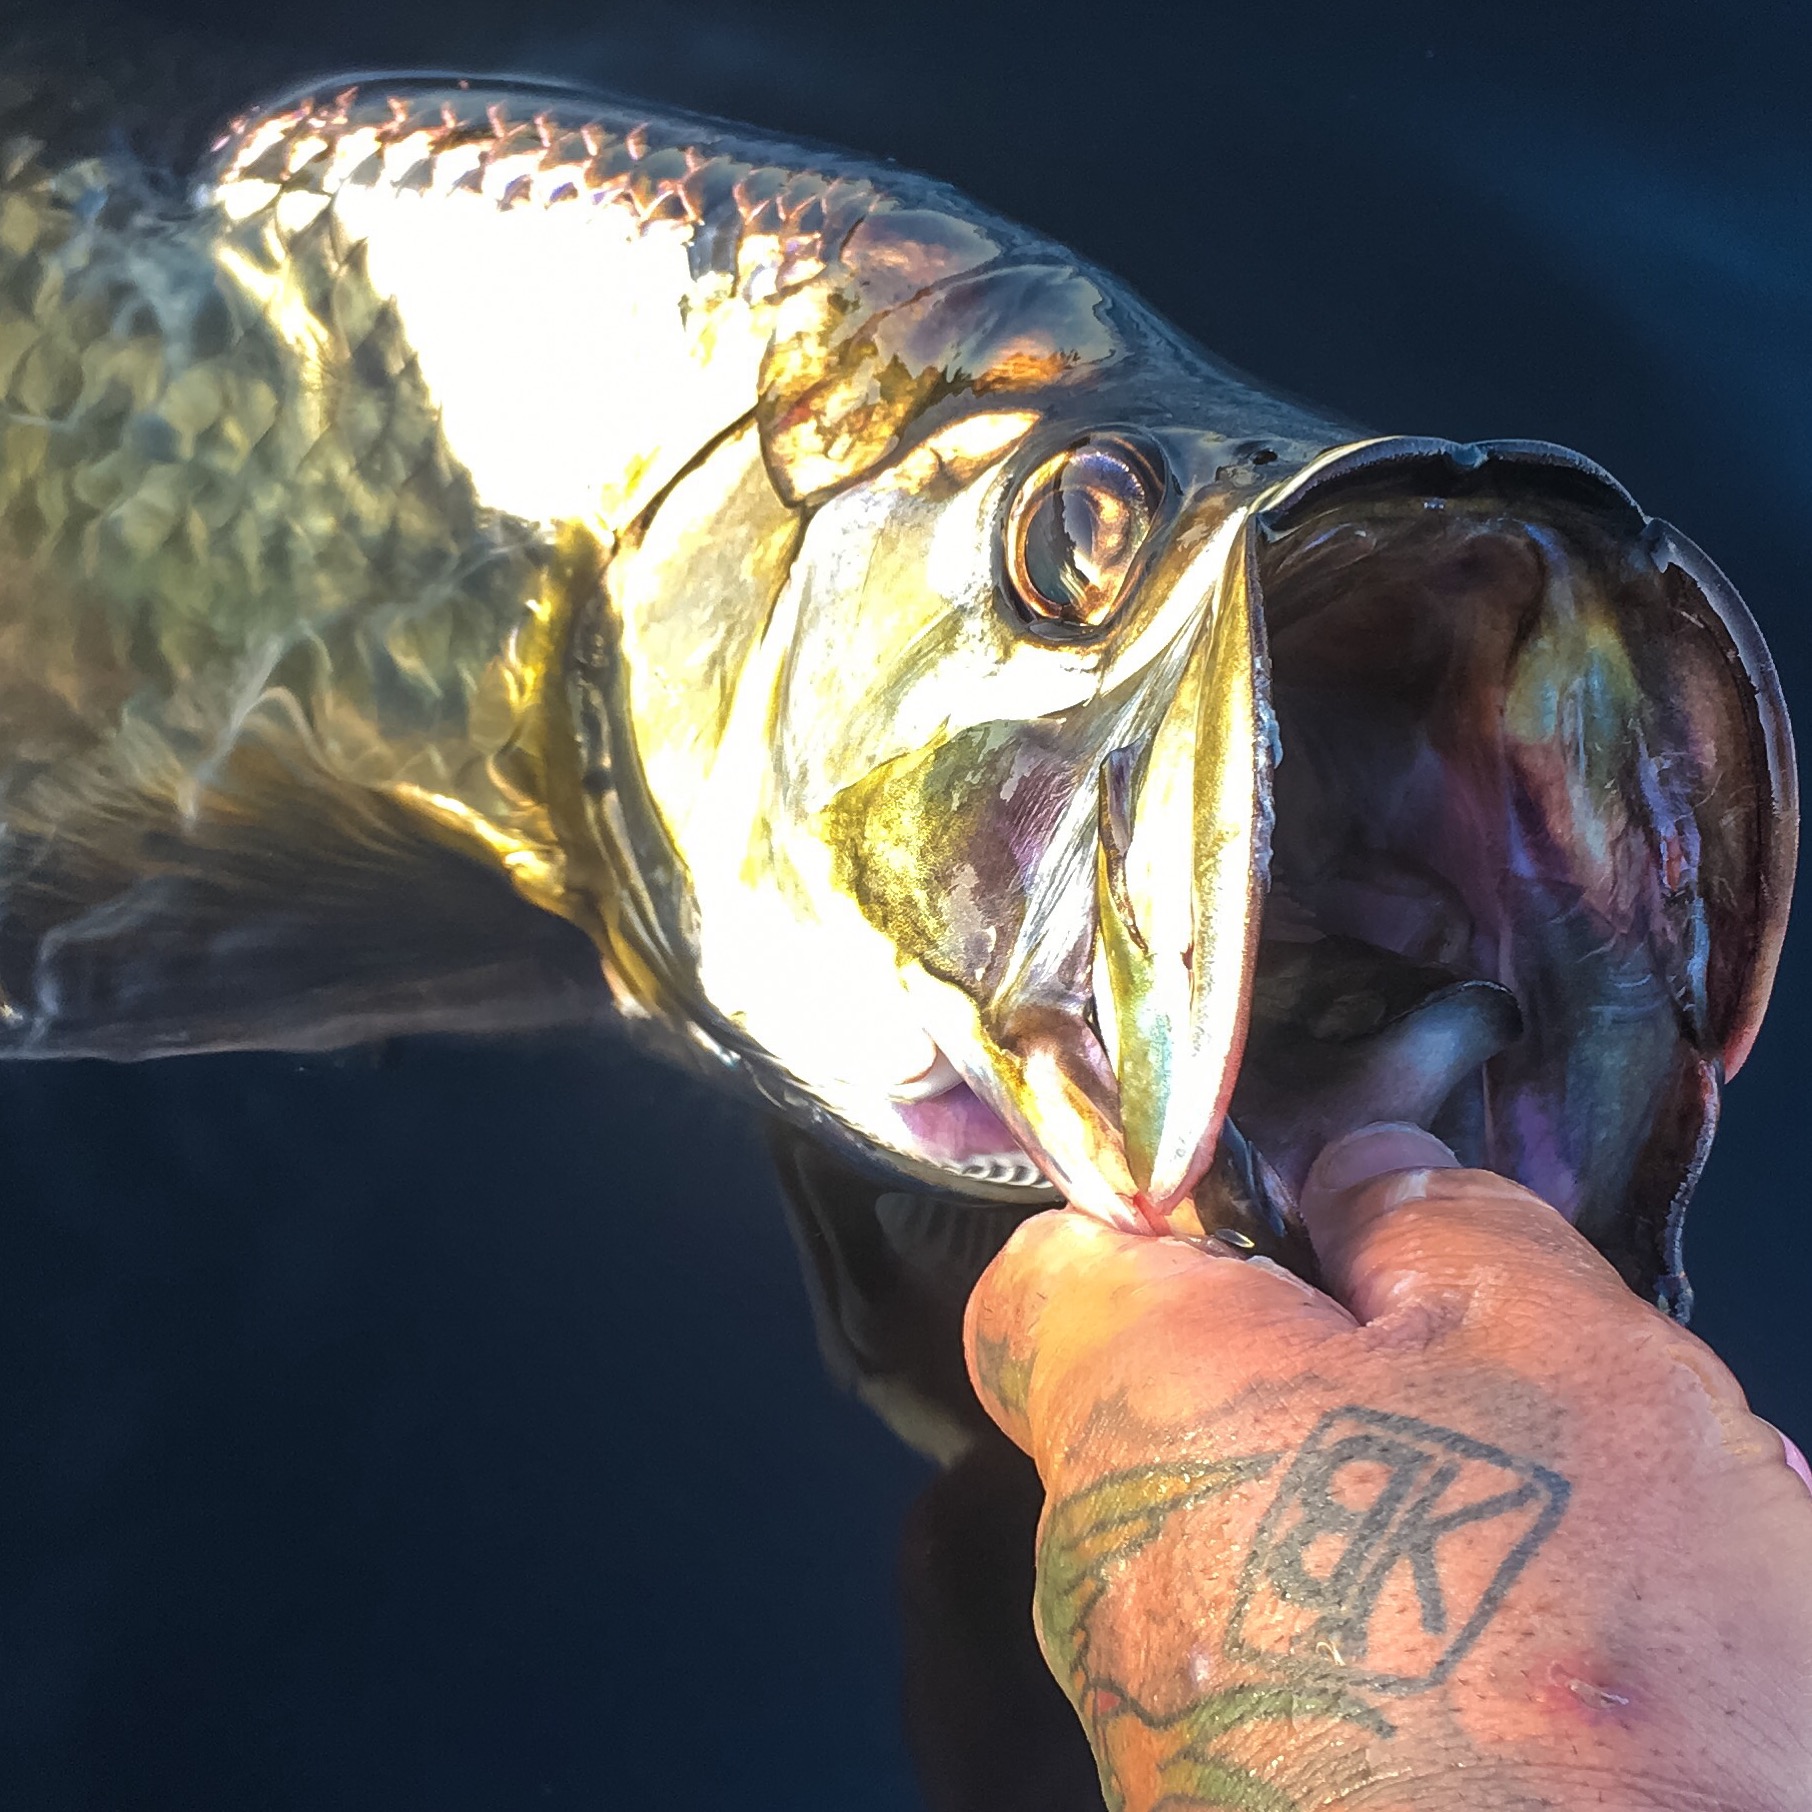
column 159, row 452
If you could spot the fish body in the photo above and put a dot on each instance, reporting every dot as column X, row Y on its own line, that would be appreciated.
column 468, row 546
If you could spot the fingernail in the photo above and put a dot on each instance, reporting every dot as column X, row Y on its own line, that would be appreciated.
column 1289, row 1277
column 1797, row 1460
column 1372, row 1151
column 1206, row 1244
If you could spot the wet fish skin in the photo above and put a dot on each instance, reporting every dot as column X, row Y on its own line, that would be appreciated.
column 486, row 492
column 305, row 510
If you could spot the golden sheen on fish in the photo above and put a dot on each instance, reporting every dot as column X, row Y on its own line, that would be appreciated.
column 467, row 541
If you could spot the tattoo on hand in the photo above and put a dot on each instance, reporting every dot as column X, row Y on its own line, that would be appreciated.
column 1377, row 1506
column 1087, row 1538
column 1007, row 1378
column 1389, row 1546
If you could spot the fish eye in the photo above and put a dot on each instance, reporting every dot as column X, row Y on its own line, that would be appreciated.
column 1075, row 528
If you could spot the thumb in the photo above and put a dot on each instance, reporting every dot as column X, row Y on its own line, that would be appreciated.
column 1076, row 1324
column 1395, row 1220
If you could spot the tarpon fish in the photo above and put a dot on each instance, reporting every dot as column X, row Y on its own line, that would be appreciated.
column 470, row 545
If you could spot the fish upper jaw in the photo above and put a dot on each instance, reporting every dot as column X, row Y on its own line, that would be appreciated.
column 1182, row 852
column 1121, row 1106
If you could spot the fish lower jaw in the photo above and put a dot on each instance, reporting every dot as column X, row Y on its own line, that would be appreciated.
column 1011, row 1170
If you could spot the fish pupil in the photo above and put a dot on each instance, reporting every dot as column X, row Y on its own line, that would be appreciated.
column 1076, row 530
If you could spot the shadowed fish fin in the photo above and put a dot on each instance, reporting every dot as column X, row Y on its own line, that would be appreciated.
column 276, row 907
column 888, row 1272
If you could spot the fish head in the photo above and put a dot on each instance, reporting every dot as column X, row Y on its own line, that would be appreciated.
column 1106, row 805
column 983, row 876
column 1055, row 806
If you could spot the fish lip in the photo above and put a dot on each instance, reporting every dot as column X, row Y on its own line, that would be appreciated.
column 1182, row 859
column 1779, row 761
column 1456, row 464
column 1394, row 454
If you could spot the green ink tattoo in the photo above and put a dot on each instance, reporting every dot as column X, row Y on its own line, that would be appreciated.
column 1372, row 1502
column 1195, row 1773
column 1087, row 1538
column 1007, row 1378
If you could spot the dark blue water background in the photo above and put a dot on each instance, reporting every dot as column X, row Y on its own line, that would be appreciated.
column 444, row 1430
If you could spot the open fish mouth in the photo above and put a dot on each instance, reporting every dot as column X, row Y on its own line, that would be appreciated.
column 1522, row 842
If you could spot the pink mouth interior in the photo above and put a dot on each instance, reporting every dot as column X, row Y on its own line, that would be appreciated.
column 958, row 1130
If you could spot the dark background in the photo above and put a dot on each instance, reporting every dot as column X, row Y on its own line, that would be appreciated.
column 443, row 1429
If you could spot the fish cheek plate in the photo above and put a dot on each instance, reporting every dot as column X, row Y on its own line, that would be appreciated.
column 1535, row 832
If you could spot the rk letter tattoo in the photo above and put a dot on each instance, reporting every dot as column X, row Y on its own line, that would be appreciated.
column 1389, row 1547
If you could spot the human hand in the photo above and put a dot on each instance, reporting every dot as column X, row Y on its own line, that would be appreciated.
column 1494, row 1534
